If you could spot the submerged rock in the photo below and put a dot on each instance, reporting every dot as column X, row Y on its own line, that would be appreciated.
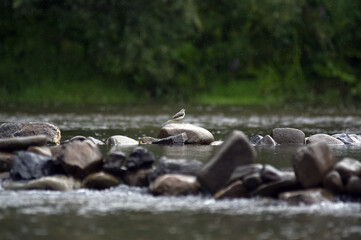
column 323, row 138
column 175, row 185
column 121, row 140
column 139, row 178
column 234, row 190
column 22, row 143
column 255, row 139
column 308, row 196
column 25, row 129
column 195, row 134
column 100, row 180
column 267, row 141
column 288, row 136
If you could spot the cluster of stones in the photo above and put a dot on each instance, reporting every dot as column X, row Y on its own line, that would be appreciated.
column 32, row 163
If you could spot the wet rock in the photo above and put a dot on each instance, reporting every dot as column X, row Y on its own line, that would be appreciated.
column 28, row 165
column 234, row 190
column 100, row 180
column 272, row 189
column 255, row 139
column 82, row 138
column 312, row 163
column 96, row 141
column 346, row 139
column 114, row 163
column 242, row 171
column 9, row 130
column 353, row 186
column 348, row 167
column 288, row 136
column 333, row 182
column 195, row 134
column 271, row 174
column 216, row 143
column 121, row 140
column 175, row 185
column 309, row 196
column 252, row 181
column 57, row 183
column 139, row 158
column 175, row 166
column 147, row 140
column 6, row 161
column 267, row 141
column 22, row 143
column 4, row 175
column 139, row 178
column 323, row 138
column 355, row 138
column 41, row 150
column 176, row 139
column 81, row 158
column 235, row 151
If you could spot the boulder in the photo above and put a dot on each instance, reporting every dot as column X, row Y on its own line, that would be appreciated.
column 312, row 163
column 271, row 174
column 41, row 150
column 139, row 158
column 252, row 181
column 288, row 136
column 114, row 163
column 22, row 143
column 28, row 165
column 272, row 189
column 353, row 186
column 348, row 167
column 333, row 182
column 139, row 178
column 267, row 141
column 195, row 134
column 6, row 161
column 100, row 180
column 234, row 152
column 175, row 185
column 347, row 139
column 82, row 138
column 176, row 139
column 323, row 138
column 242, row 171
column 234, row 190
column 121, row 140
column 255, row 139
column 25, row 129
column 308, row 196
column 175, row 166
column 57, row 183
column 81, row 158
column 147, row 140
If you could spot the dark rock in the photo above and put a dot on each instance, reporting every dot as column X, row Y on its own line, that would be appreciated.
column 345, row 138
column 274, row 188
column 255, row 139
column 121, row 140
column 309, row 196
column 267, row 141
column 175, row 166
column 114, row 163
column 323, row 138
column 252, row 181
column 175, row 185
column 333, row 182
column 139, row 158
column 353, row 186
column 28, row 165
column 139, row 178
column 147, row 140
column 235, row 151
column 6, row 161
column 348, row 167
column 288, row 136
column 81, row 158
column 57, row 183
column 271, row 174
column 176, row 139
column 41, row 150
column 9, row 130
column 100, row 180
column 242, row 171
column 22, row 143
column 234, row 190
column 312, row 163
column 195, row 134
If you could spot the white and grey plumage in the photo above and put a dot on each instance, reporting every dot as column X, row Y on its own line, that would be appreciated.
column 178, row 116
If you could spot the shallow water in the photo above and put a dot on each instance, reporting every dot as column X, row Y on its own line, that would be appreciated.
column 131, row 213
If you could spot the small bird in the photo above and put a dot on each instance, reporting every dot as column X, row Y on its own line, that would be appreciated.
column 178, row 116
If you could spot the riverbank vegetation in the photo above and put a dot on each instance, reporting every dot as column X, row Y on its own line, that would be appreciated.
column 238, row 52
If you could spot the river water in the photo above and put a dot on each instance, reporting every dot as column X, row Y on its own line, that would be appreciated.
column 131, row 213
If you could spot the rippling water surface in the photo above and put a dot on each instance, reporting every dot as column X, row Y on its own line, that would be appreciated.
column 131, row 213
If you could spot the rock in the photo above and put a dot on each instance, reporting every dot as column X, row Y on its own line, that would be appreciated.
column 234, row 190
column 81, row 158
column 114, row 163
column 355, row 138
column 288, row 136
column 242, row 171
column 4, row 175
column 6, row 161
column 41, row 150
column 271, row 174
column 323, row 138
column 121, row 140
column 312, row 163
column 100, row 180
column 58, row 183
column 139, row 158
column 176, row 139
column 175, row 166
column 139, row 178
column 22, row 143
column 147, row 140
column 9, row 130
column 348, row 167
column 267, row 141
column 28, row 165
column 272, row 189
column 195, row 134
column 255, row 139
column 175, row 185
column 235, row 151
column 333, row 182
column 309, row 196
column 216, row 143
column 82, row 138
column 96, row 141
column 346, row 139
column 252, row 181
column 353, row 186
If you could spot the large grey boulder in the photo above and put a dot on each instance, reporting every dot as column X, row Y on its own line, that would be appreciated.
column 312, row 163
column 288, row 136
column 9, row 130
column 195, row 134
column 22, row 143
column 174, row 184
column 234, row 152
column 121, row 140
column 308, row 196
column 321, row 137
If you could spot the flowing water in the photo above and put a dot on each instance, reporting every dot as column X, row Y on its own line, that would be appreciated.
column 131, row 213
